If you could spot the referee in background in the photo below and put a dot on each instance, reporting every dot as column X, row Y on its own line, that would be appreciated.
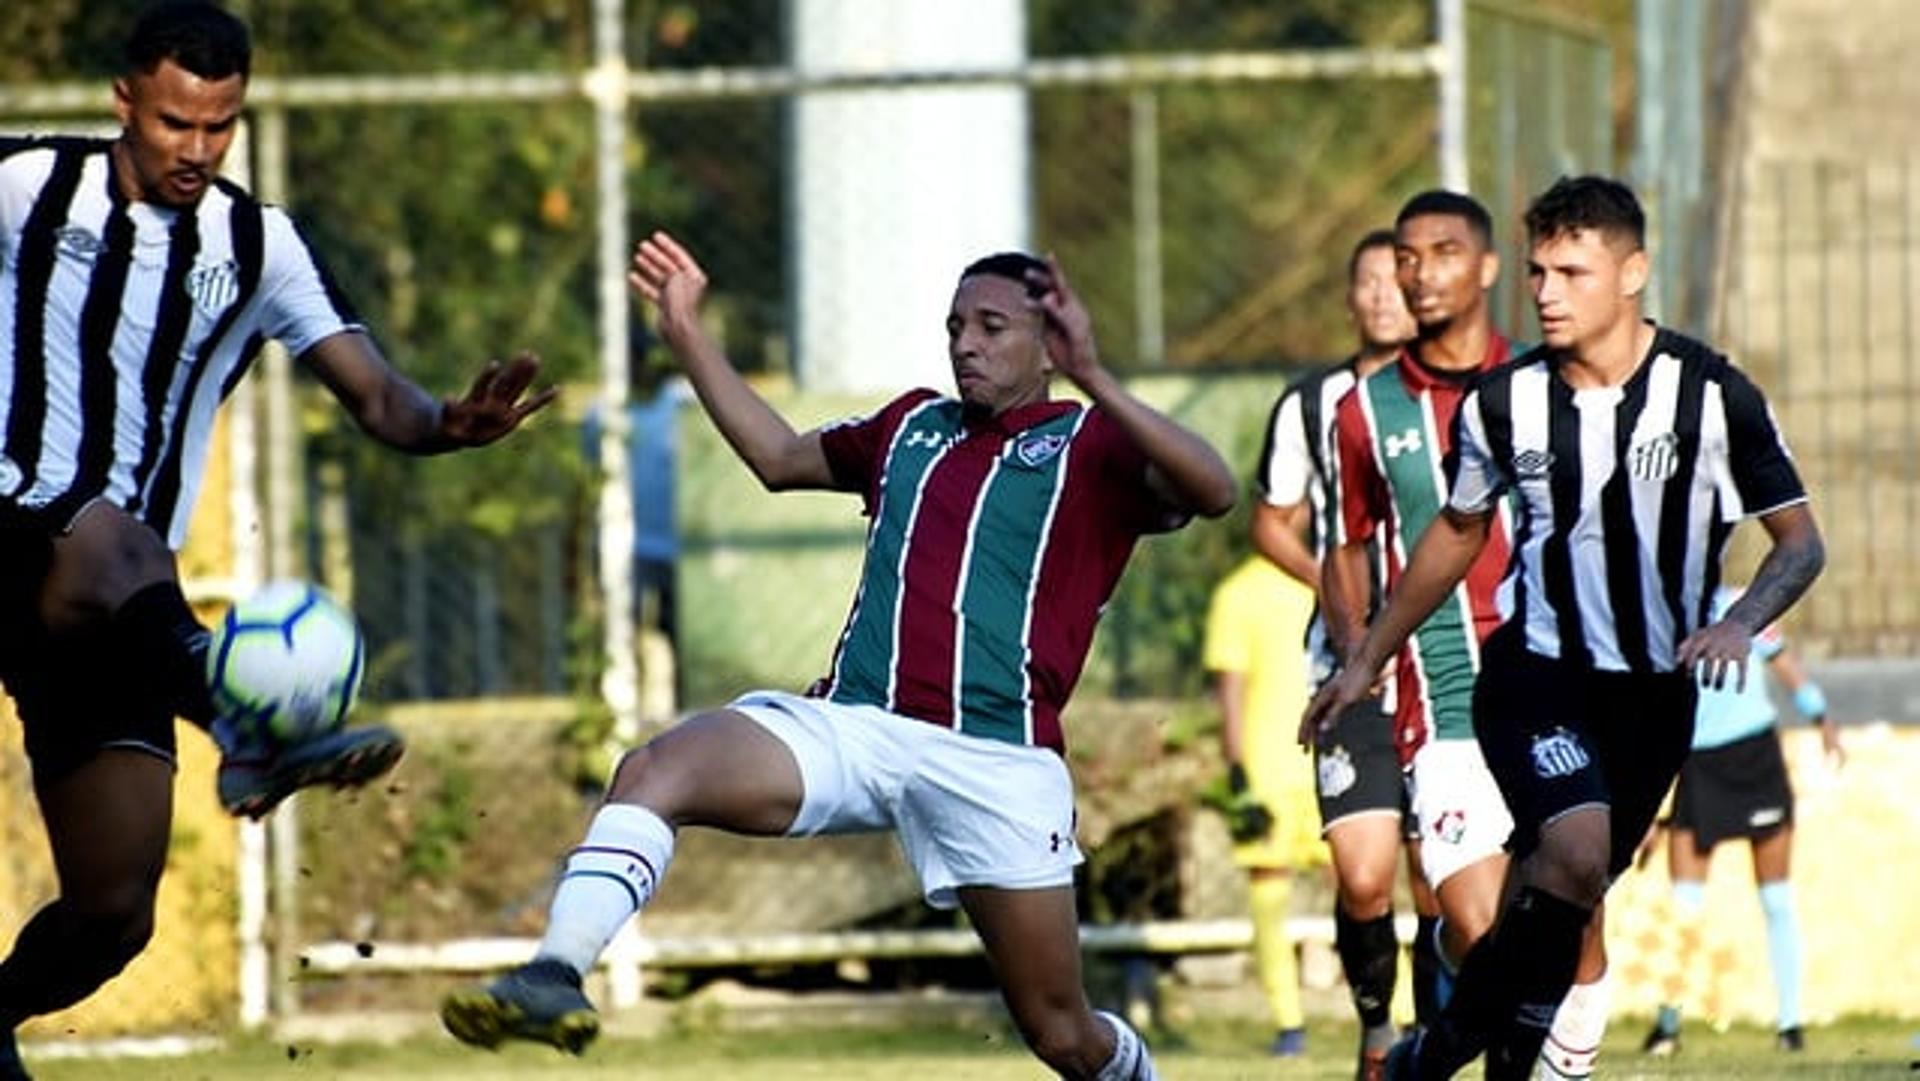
column 1629, row 452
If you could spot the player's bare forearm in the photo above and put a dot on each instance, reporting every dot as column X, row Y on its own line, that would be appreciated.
column 1346, row 582
column 1279, row 533
column 1795, row 560
column 1440, row 560
column 781, row 458
column 1190, row 471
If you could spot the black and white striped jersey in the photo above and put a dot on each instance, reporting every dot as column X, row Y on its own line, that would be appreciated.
column 124, row 325
column 1623, row 497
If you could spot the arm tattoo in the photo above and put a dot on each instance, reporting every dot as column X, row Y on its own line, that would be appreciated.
column 1788, row 570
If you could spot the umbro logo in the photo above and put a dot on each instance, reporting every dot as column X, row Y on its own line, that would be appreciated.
column 1532, row 463
column 78, row 242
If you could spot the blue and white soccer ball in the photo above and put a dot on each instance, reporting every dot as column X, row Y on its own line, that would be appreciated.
column 285, row 663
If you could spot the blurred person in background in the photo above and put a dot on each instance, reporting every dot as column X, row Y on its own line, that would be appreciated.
column 1001, row 520
column 1255, row 623
column 1734, row 785
column 1360, row 789
column 137, row 287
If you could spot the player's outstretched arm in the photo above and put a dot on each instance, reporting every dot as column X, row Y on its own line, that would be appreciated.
column 672, row 281
column 1440, row 559
column 1795, row 560
column 396, row 411
column 1184, row 468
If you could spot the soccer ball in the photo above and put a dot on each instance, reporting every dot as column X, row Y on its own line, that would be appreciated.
column 285, row 664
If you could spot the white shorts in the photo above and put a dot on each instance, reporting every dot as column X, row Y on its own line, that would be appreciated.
column 968, row 811
column 1463, row 818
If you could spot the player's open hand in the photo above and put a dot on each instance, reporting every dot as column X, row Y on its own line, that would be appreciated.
column 1068, row 327
column 670, row 279
column 1349, row 686
column 496, row 403
column 1712, row 651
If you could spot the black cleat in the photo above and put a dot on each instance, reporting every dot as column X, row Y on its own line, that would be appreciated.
column 540, row 1001
column 251, row 787
column 1791, row 1039
column 1660, row 1043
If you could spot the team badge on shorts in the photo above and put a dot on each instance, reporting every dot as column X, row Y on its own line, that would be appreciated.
column 1451, row 825
column 1558, row 754
column 1336, row 772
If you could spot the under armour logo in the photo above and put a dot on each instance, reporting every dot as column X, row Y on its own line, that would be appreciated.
column 1055, row 841
column 1656, row 459
column 1407, row 442
column 1558, row 754
column 934, row 440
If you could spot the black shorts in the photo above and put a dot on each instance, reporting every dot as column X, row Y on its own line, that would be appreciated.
column 73, row 695
column 1559, row 736
column 1736, row 790
column 1356, row 767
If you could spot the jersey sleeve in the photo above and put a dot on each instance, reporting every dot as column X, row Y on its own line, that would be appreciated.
column 1228, row 645
column 300, row 303
column 1128, row 501
column 1286, row 466
column 1362, row 488
column 1758, row 461
column 856, row 448
column 1475, row 477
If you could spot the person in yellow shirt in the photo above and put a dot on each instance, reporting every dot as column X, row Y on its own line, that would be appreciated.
column 1255, row 624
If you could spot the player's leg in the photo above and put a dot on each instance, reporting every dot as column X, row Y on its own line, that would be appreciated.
column 109, row 569
column 1432, row 977
column 1270, row 901
column 1687, row 861
column 1772, row 859
column 1032, row 940
column 723, row 769
column 1572, row 1047
column 108, row 820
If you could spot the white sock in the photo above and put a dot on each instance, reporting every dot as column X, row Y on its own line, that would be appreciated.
column 608, row 878
column 1130, row 1060
column 1573, row 1044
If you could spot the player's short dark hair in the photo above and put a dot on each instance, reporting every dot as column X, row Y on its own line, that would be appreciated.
column 204, row 38
column 1379, row 238
column 1011, row 265
column 1452, row 204
column 1600, row 203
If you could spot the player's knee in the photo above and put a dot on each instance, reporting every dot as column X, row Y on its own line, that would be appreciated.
column 1575, row 872
column 108, row 942
column 1366, row 893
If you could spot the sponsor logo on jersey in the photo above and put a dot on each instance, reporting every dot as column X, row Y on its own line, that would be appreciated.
column 214, row 287
column 1407, row 442
column 1336, row 772
column 1037, row 450
column 1655, row 459
column 930, row 440
column 1558, row 754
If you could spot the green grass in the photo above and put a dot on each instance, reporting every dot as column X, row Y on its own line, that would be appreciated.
column 1206, row 1052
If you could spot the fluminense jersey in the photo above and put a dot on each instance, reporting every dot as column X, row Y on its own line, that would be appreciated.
column 993, row 544
column 1394, row 432
column 123, row 325
column 1623, row 496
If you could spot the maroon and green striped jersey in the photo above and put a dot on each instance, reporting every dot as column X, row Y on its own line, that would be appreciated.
column 993, row 542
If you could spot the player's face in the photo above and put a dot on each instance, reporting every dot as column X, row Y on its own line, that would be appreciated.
column 175, row 130
column 1583, row 286
column 995, row 345
column 1374, row 300
column 1444, row 269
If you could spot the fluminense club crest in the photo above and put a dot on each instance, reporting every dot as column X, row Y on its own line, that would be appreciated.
column 1037, row 450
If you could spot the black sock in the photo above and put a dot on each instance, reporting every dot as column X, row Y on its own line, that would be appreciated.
column 1543, row 951
column 1460, row 1032
column 1426, row 971
column 59, row 958
column 1370, row 955
column 159, row 631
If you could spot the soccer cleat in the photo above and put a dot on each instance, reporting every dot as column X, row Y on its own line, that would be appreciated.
column 251, row 787
column 11, row 1068
column 1791, row 1039
column 1661, row 1042
column 1373, row 1065
column 1289, row 1043
column 540, row 1001
column 1399, row 1062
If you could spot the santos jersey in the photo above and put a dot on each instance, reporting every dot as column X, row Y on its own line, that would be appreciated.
column 1394, row 432
column 993, row 543
column 123, row 325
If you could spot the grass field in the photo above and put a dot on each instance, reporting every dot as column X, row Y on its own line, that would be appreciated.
column 1207, row 1052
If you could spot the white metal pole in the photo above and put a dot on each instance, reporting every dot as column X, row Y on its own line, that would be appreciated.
column 1150, row 331
column 1450, row 18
